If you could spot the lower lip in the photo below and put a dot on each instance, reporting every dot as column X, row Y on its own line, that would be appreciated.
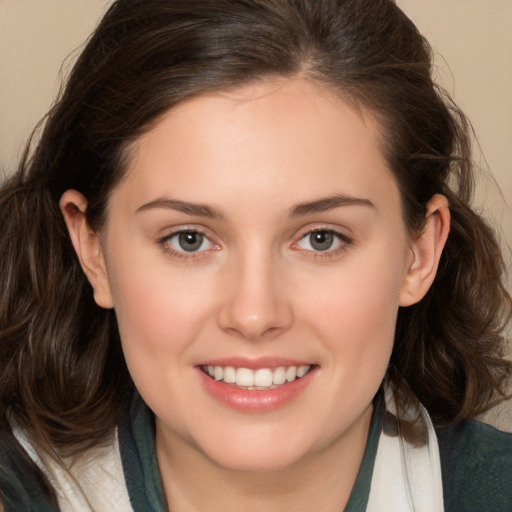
column 256, row 400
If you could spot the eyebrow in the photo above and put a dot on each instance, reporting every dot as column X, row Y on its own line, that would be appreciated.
column 203, row 210
column 195, row 209
column 328, row 203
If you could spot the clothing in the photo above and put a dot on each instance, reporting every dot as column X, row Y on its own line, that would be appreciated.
column 475, row 462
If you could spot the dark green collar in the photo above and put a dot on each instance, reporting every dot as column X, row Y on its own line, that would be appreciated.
column 137, row 445
column 361, row 491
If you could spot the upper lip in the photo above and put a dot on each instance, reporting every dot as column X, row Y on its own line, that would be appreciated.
column 255, row 363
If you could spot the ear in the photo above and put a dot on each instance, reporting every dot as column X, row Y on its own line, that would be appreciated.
column 87, row 246
column 426, row 249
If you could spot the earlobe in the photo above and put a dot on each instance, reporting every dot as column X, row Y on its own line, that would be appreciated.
column 426, row 250
column 87, row 245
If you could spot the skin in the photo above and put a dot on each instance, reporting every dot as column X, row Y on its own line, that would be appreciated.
column 257, row 287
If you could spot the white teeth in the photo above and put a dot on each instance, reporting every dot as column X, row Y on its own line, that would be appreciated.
column 279, row 376
column 263, row 378
column 218, row 373
column 244, row 377
column 302, row 370
column 291, row 373
column 229, row 375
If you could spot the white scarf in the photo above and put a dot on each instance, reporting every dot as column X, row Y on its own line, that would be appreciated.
column 406, row 478
column 94, row 483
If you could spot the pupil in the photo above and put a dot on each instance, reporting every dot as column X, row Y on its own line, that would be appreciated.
column 321, row 240
column 190, row 241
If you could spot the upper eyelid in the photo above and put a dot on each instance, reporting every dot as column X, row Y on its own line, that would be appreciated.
column 337, row 231
column 169, row 232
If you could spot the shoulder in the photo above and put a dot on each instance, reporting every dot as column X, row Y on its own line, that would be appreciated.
column 476, row 464
column 92, row 480
column 22, row 486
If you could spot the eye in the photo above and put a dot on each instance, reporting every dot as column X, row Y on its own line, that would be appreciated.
column 188, row 242
column 322, row 240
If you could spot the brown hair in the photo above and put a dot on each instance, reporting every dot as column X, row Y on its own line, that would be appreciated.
column 62, row 372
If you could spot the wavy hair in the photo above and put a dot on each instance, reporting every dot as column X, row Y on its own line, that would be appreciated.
column 62, row 372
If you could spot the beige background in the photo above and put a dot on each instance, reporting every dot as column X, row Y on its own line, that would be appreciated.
column 472, row 40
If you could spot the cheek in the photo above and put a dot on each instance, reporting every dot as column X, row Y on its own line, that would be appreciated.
column 355, row 310
column 363, row 292
column 159, row 311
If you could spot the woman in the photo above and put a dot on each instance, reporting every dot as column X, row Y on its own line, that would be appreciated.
column 241, row 272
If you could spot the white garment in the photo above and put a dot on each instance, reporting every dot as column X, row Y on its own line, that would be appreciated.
column 93, row 483
column 405, row 478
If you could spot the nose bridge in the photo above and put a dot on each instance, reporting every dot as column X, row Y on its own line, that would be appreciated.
column 255, row 305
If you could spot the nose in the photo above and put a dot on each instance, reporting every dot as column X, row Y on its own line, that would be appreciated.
column 255, row 304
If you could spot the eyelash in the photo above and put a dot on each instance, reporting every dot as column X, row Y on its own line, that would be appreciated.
column 342, row 238
column 165, row 241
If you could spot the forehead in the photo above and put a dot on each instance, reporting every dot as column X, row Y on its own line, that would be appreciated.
column 286, row 140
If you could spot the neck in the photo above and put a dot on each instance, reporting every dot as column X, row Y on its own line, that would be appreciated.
column 320, row 480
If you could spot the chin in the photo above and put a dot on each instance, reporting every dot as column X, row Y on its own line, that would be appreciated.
column 250, row 456
column 270, row 462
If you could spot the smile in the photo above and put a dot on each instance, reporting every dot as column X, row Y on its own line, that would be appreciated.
column 260, row 379
column 265, row 386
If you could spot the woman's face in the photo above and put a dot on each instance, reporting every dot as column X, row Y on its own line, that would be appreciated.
column 257, row 234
